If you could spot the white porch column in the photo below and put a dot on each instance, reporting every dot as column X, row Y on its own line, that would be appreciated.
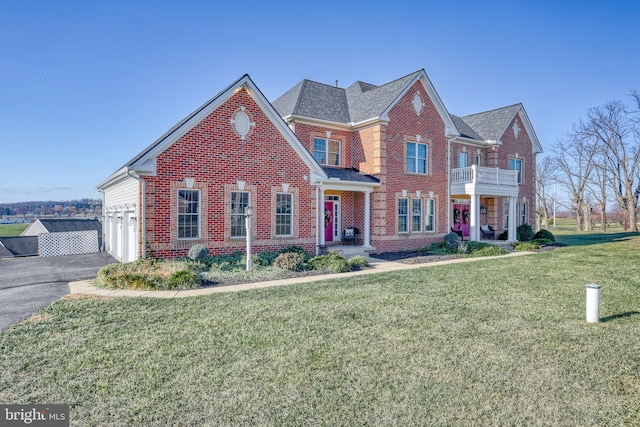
column 321, row 216
column 513, row 218
column 367, row 219
column 474, row 232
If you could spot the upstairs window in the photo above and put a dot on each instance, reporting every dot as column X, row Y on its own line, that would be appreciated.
column 188, row 214
column 516, row 165
column 463, row 160
column 417, row 156
column 327, row 151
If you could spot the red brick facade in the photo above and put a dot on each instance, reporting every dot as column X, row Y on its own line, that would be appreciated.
column 263, row 158
column 215, row 156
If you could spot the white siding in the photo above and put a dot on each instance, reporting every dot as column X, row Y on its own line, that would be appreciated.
column 121, row 204
column 34, row 229
column 124, row 192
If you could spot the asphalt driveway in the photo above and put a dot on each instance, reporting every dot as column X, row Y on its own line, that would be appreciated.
column 28, row 284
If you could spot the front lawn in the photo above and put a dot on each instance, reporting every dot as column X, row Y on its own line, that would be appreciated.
column 497, row 342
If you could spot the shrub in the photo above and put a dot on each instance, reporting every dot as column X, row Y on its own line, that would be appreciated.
column 358, row 261
column 443, row 247
column 542, row 242
column 331, row 262
column 545, row 234
column 290, row 261
column 295, row 249
column 524, row 233
column 198, row 253
column 181, row 279
column 266, row 258
column 526, row 246
column 451, row 238
column 148, row 274
column 504, row 235
column 489, row 250
column 463, row 248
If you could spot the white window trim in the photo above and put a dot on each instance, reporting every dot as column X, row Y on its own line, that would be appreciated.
column 326, row 150
column 231, row 214
column 432, row 215
column 179, row 214
column 398, row 215
column 520, row 171
column 416, row 158
column 413, row 215
column 465, row 156
column 291, row 215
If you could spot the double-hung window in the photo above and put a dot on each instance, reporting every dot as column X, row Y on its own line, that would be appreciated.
column 463, row 160
column 417, row 157
column 284, row 214
column 403, row 215
column 523, row 213
column 327, row 151
column 188, row 214
column 239, row 203
column 506, row 215
column 416, row 215
column 516, row 165
column 430, row 215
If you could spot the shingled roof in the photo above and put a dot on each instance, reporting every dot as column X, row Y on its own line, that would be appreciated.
column 362, row 101
column 359, row 102
column 490, row 125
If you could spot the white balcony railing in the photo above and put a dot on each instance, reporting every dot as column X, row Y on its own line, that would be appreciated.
column 481, row 175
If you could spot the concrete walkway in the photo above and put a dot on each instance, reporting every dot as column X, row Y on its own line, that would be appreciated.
column 378, row 266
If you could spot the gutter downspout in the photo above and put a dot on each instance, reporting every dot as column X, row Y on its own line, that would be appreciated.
column 142, row 212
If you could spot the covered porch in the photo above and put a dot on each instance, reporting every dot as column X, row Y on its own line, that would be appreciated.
column 343, row 209
column 476, row 193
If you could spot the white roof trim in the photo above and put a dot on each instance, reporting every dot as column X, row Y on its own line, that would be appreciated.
column 450, row 127
column 145, row 161
column 536, row 147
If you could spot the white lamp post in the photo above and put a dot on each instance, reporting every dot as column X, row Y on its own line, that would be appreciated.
column 247, row 218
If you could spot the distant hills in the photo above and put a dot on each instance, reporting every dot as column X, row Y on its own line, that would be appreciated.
column 51, row 208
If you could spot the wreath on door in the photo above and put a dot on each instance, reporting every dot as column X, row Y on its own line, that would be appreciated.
column 456, row 216
column 465, row 217
column 327, row 217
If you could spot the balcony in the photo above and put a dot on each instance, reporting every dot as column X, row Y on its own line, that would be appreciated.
column 484, row 181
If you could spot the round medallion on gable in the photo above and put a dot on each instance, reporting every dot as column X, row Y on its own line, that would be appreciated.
column 417, row 103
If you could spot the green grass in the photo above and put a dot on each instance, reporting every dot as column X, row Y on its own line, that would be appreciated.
column 497, row 342
column 10, row 230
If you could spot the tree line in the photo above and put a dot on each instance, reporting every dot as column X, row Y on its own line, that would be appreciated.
column 597, row 165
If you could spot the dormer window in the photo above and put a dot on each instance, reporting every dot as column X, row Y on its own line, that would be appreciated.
column 327, row 151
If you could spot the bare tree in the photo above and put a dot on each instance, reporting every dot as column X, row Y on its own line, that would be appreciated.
column 574, row 162
column 598, row 189
column 616, row 130
column 544, row 176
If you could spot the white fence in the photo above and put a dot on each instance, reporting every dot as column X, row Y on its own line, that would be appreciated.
column 68, row 243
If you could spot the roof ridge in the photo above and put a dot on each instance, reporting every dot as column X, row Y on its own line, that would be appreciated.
column 494, row 109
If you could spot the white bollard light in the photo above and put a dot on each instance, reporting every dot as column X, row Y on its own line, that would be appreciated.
column 593, row 303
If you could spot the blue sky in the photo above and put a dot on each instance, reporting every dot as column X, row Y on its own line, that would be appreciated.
column 84, row 86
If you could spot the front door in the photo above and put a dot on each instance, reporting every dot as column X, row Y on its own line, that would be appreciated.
column 332, row 218
column 461, row 218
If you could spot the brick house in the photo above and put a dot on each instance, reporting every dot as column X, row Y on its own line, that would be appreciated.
column 388, row 161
